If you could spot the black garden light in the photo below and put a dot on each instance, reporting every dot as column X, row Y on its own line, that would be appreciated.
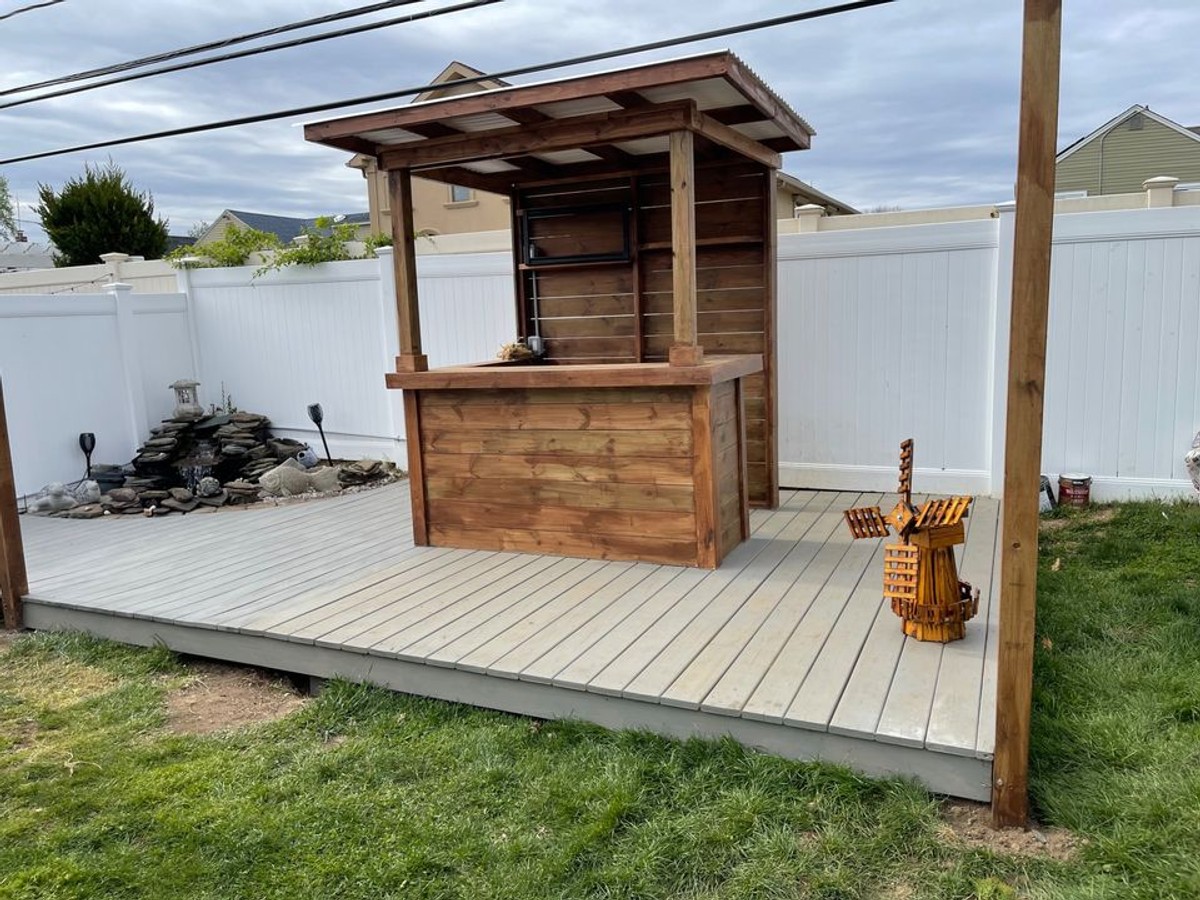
column 318, row 416
column 87, row 443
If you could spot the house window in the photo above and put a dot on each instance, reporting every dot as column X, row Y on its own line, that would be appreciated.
column 459, row 194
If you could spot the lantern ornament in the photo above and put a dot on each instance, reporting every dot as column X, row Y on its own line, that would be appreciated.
column 920, row 576
column 187, row 404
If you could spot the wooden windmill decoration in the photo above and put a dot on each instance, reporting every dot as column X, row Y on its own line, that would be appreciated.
column 920, row 576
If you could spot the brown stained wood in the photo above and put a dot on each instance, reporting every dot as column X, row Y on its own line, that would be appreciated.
column 711, row 322
column 736, row 300
column 592, row 282
column 14, row 580
column 578, row 494
column 546, row 442
column 1023, row 430
column 636, row 271
column 416, row 468
column 725, row 408
column 576, row 307
column 404, row 263
column 546, row 137
column 483, row 400
column 636, row 375
column 683, row 238
column 559, row 416
column 590, row 326
column 705, row 481
column 769, row 432
column 675, row 471
column 731, row 138
column 616, row 547
column 713, row 344
column 649, row 524
column 712, row 220
column 743, row 481
column 747, row 276
column 624, row 83
column 584, row 347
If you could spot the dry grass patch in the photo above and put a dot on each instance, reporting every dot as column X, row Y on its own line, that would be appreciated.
column 55, row 683
column 217, row 697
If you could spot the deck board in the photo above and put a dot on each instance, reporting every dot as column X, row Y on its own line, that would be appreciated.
column 786, row 646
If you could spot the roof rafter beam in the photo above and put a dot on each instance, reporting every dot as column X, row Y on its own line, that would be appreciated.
column 495, row 183
column 555, row 134
column 576, row 132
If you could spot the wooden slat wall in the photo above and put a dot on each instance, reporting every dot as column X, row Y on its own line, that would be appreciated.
column 602, row 473
column 591, row 312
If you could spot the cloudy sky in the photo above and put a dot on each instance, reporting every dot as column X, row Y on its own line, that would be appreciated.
column 914, row 103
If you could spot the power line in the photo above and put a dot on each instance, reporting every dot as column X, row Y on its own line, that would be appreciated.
column 200, row 48
column 31, row 7
column 408, row 92
column 239, row 54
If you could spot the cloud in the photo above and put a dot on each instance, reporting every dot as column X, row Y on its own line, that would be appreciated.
column 915, row 103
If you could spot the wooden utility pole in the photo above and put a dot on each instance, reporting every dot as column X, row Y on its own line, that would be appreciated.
column 14, row 583
column 1023, row 430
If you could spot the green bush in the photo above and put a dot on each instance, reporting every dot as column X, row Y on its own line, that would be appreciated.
column 100, row 213
column 233, row 249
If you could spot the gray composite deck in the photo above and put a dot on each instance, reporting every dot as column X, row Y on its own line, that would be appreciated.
column 787, row 646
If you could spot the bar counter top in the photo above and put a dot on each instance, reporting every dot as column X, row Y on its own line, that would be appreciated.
column 498, row 374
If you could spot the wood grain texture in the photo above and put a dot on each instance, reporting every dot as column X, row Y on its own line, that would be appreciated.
column 404, row 263
column 683, row 236
column 14, row 582
column 1026, row 391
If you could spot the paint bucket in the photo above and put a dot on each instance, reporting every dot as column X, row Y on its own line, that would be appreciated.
column 1074, row 490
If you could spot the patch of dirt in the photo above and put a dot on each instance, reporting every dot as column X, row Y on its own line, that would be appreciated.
column 971, row 824
column 1091, row 515
column 221, row 697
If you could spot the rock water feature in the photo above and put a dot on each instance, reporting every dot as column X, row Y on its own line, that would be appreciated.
column 193, row 461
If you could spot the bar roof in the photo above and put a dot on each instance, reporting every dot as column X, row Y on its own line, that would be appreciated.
column 615, row 119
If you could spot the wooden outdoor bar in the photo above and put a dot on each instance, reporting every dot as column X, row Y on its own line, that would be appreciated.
column 642, row 424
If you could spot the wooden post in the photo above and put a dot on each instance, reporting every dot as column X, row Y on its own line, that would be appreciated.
column 686, row 349
column 404, row 261
column 14, row 583
column 1023, row 430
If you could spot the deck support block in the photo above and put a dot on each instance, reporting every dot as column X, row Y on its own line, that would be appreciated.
column 1026, row 389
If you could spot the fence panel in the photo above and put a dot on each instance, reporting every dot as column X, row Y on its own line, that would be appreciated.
column 886, row 334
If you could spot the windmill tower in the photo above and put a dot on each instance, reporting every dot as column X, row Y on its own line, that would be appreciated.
column 920, row 576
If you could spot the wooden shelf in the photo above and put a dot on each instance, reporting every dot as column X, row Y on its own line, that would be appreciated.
column 724, row 241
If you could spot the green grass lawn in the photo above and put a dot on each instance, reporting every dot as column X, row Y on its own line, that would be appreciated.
column 362, row 793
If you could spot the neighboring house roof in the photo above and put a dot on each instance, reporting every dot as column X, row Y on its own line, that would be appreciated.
column 22, row 256
column 287, row 228
column 1137, row 108
column 457, row 71
column 806, row 193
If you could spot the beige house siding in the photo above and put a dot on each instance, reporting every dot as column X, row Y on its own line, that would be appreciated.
column 216, row 231
column 1118, row 161
column 434, row 209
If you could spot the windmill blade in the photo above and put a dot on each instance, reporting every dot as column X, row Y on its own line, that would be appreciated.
column 866, row 522
column 906, row 471
column 947, row 511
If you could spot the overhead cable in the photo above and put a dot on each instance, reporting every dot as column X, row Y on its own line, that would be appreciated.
column 254, row 51
column 408, row 92
column 200, row 48
column 29, row 8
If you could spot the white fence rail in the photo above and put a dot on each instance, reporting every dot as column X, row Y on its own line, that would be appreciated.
column 884, row 333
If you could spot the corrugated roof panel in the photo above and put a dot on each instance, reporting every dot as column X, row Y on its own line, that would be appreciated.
column 645, row 146
column 565, row 157
column 586, row 106
column 760, row 131
column 480, row 122
column 709, row 93
column 391, row 136
column 490, row 166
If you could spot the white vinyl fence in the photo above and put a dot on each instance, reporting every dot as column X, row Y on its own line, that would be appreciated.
column 884, row 333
